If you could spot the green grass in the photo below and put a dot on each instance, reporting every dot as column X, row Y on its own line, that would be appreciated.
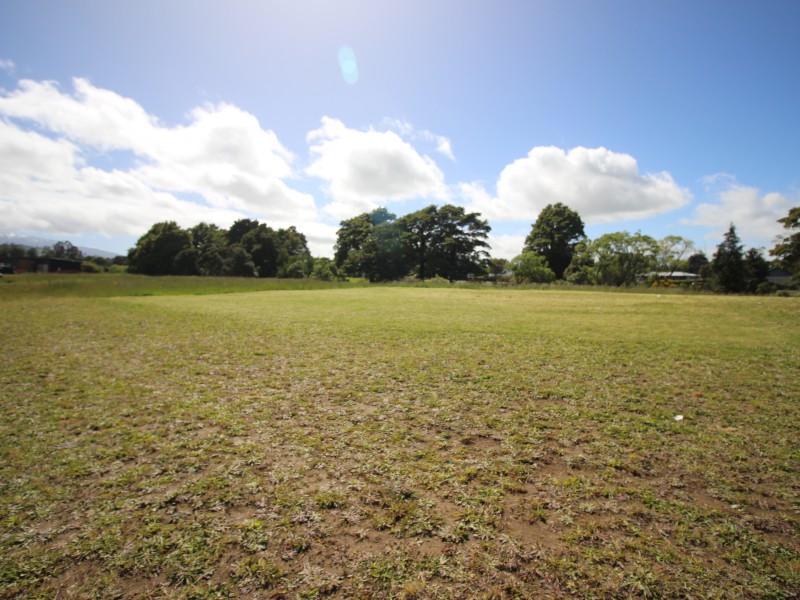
column 396, row 442
column 123, row 284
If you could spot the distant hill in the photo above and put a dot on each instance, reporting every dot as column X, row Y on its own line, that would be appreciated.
column 37, row 242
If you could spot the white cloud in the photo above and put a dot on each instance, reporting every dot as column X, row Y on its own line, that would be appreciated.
column 506, row 246
column 755, row 214
column 601, row 185
column 222, row 156
column 92, row 116
column 406, row 130
column 364, row 168
column 7, row 65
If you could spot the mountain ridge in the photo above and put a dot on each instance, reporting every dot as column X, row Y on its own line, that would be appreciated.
column 39, row 242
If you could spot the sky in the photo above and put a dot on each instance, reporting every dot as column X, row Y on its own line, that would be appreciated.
column 669, row 118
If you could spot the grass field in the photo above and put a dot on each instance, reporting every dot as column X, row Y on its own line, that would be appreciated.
column 378, row 442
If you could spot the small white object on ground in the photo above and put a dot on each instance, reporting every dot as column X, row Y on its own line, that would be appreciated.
column 678, row 417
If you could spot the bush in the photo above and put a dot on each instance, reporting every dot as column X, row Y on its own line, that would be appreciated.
column 88, row 266
column 765, row 287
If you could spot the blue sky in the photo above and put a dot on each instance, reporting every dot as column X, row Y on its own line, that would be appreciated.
column 673, row 118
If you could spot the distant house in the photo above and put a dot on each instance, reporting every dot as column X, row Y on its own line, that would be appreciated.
column 672, row 275
column 23, row 264
column 675, row 275
column 779, row 277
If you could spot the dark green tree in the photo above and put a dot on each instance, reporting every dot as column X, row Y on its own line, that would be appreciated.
column 756, row 269
column 239, row 229
column 420, row 238
column 463, row 242
column 371, row 245
column 727, row 264
column 261, row 243
column 294, row 259
column 581, row 269
column 350, row 239
column 447, row 242
column 698, row 264
column 787, row 251
column 209, row 249
column 156, row 251
column 554, row 235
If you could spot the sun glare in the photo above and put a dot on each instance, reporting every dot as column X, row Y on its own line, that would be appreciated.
column 348, row 64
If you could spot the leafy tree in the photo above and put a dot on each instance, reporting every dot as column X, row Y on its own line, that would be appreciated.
column 727, row 264
column 419, row 234
column 698, row 264
column 239, row 229
column 261, row 243
column 156, row 251
column 787, row 251
column 496, row 267
column 554, row 235
column 324, row 269
column 350, row 239
column 371, row 245
column 294, row 259
column 447, row 242
column 531, row 267
column 756, row 269
column 617, row 259
column 210, row 249
column 671, row 253
column 581, row 269
column 15, row 251
column 65, row 250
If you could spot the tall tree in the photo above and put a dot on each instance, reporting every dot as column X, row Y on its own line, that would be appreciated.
column 239, row 229
column 463, row 242
column 727, row 264
column 261, row 243
column 419, row 234
column 448, row 242
column 294, row 259
column 787, row 251
column 756, row 269
column 209, row 246
column 350, row 239
column 554, row 235
column 156, row 251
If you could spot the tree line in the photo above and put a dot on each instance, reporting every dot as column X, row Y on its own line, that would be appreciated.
column 247, row 249
column 451, row 243
column 557, row 248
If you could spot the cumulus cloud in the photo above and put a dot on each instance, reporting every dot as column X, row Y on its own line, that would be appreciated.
column 506, row 246
column 755, row 214
column 222, row 156
column 601, row 185
column 365, row 168
column 407, row 131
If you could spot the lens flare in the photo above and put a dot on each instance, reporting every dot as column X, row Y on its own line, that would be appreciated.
column 348, row 64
